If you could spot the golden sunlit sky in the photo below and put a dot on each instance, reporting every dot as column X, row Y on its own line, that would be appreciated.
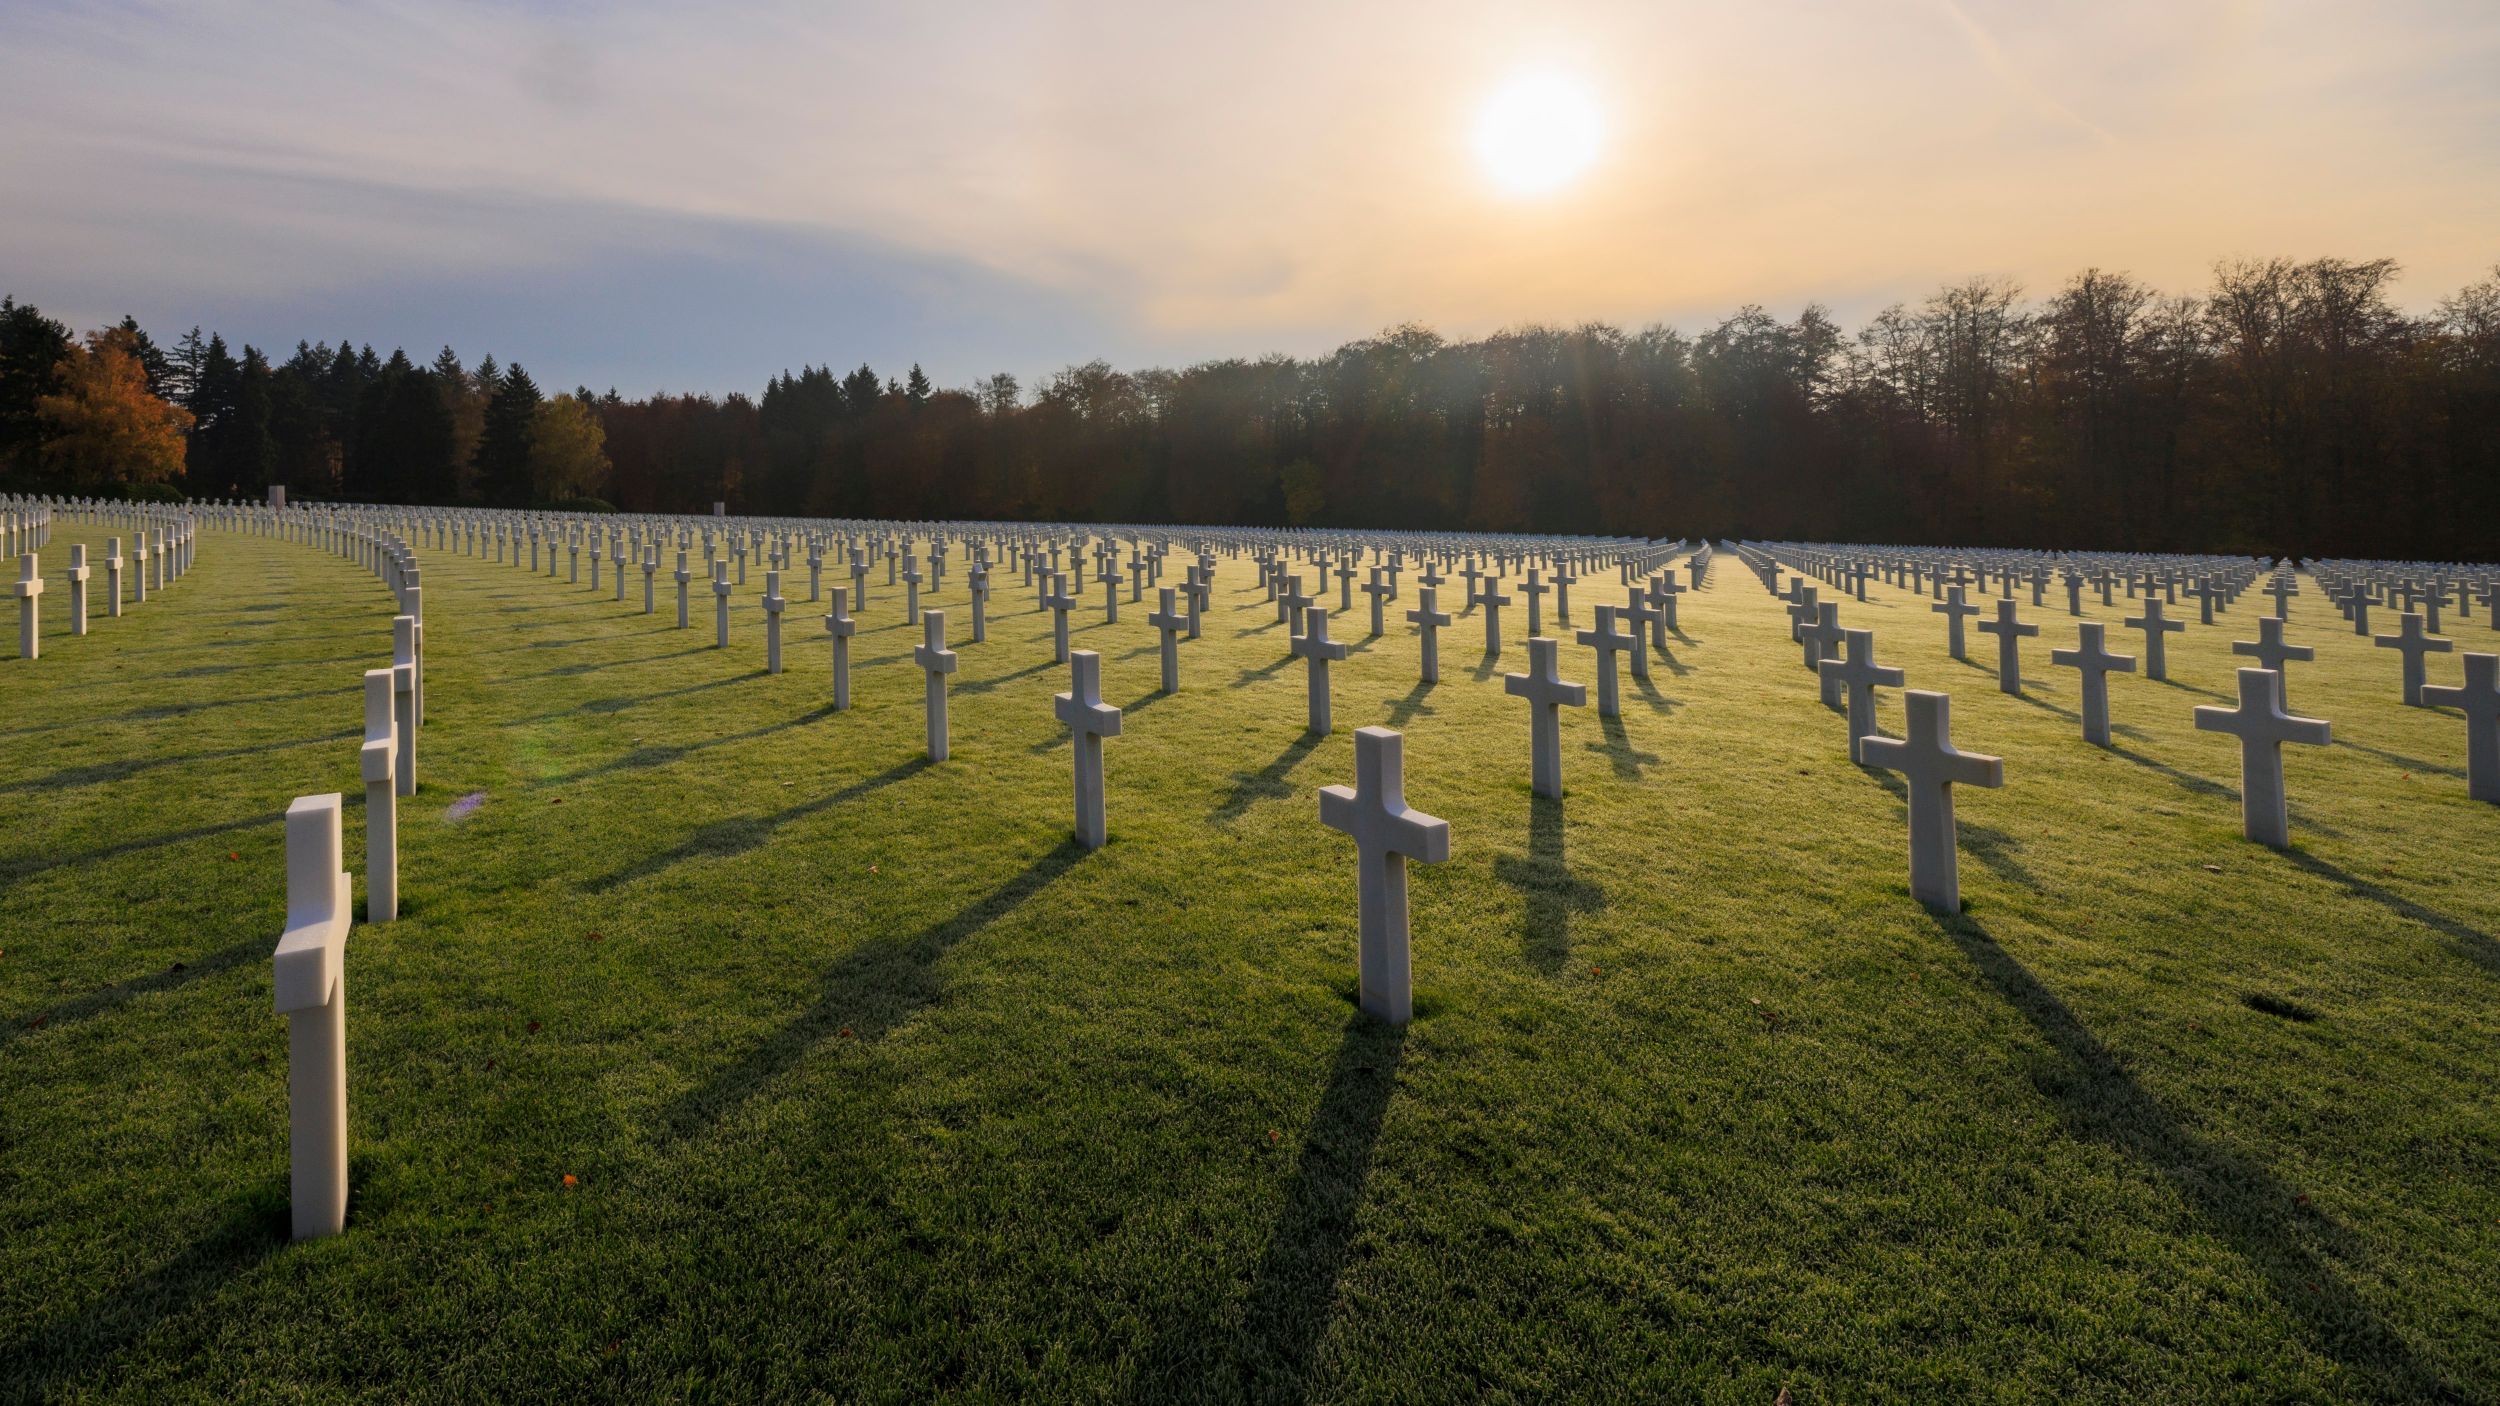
column 694, row 197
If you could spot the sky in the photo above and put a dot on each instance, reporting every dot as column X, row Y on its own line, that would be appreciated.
column 695, row 197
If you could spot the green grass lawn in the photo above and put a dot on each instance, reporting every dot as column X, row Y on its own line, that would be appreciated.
column 873, row 1086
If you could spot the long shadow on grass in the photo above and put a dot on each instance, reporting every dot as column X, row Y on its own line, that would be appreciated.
column 1546, row 882
column 1267, row 1357
column 2479, row 947
column 1619, row 752
column 646, row 757
column 163, row 711
column 750, row 832
column 124, row 768
column 38, row 1366
column 2189, row 782
column 96, row 1003
column 2239, row 1201
column 2400, row 759
column 869, row 992
column 1267, row 783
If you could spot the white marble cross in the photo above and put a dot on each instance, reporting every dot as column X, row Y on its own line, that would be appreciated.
column 911, row 590
column 1547, row 695
column 2479, row 699
column 113, row 578
column 78, row 588
column 685, row 577
column 1931, row 766
column 1058, row 602
column 1169, row 622
column 1607, row 641
column 2095, row 663
column 309, row 972
column 773, row 606
column 2270, row 652
column 1378, row 589
column 840, row 625
column 936, row 661
column 380, row 758
column 720, row 605
column 29, row 592
column 1488, row 593
column 1535, row 590
column 2156, row 628
column 2010, row 633
column 2414, row 645
column 1318, row 650
column 1429, row 621
column 1089, row 721
column 1387, row 833
column 2262, row 727
column 1858, row 675
column 407, row 694
column 1954, row 610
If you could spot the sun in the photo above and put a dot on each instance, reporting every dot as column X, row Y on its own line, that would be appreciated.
column 1538, row 133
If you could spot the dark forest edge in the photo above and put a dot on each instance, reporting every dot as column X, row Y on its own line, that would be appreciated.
column 2289, row 409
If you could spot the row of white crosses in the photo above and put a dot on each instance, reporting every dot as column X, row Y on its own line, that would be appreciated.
column 25, row 528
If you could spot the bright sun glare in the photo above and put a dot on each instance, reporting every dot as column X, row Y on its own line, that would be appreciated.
column 1537, row 133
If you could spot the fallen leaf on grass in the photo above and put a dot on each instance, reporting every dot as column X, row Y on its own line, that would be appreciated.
column 533, row 1027
column 569, row 1180
column 2213, row 868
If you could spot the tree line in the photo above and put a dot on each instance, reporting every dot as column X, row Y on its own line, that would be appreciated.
column 2288, row 408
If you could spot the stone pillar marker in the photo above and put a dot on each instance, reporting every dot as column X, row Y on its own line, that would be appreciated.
column 936, row 661
column 1168, row 620
column 1931, row 766
column 309, row 972
column 2479, row 699
column 1858, row 676
column 2262, row 727
column 1547, row 695
column 78, row 588
column 2096, row 664
column 2155, row 627
column 29, row 593
column 1317, row 649
column 773, row 606
column 2010, row 633
column 1387, row 833
column 2411, row 642
column 1607, row 641
column 1089, row 721
column 841, row 626
column 380, row 757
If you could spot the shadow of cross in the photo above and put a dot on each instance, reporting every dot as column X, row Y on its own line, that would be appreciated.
column 1546, row 882
column 1268, row 782
column 878, row 986
column 2295, row 1249
column 1619, row 752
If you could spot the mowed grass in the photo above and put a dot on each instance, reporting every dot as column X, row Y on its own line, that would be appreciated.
column 872, row 1086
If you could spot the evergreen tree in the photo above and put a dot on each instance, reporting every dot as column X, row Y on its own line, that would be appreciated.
column 153, row 363
column 190, row 355
column 503, row 445
column 32, row 347
column 916, row 387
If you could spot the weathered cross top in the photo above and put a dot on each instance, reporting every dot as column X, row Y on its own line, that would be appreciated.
column 1930, row 767
column 2410, row 641
column 2262, row 727
column 1290, row 603
column 1547, row 694
column 2155, row 628
column 1955, row 610
column 2010, row 633
column 936, row 661
column 1607, row 641
column 1379, row 590
column 1318, row 650
column 2095, row 663
column 1089, row 721
column 1387, row 833
column 1819, row 633
column 2479, row 699
column 1488, row 593
column 1535, row 590
column 308, row 972
column 1858, row 675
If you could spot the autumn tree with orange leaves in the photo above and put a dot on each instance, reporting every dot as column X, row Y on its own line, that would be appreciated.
column 104, row 427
